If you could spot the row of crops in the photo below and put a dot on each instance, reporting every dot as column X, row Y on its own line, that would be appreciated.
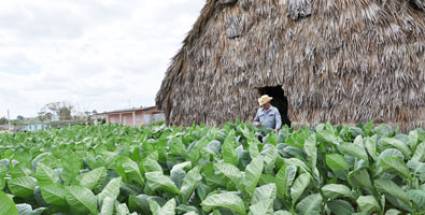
column 220, row 171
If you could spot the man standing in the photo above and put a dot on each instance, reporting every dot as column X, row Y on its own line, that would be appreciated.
column 267, row 115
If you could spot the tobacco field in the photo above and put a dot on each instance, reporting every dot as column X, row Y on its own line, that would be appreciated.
column 201, row 170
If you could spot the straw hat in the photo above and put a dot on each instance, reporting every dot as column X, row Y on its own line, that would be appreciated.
column 264, row 100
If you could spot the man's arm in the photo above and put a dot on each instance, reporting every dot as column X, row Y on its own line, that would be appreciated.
column 256, row 121
column 256, row 118
column 278, row 120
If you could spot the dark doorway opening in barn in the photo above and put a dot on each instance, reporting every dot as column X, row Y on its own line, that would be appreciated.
column 280, row 101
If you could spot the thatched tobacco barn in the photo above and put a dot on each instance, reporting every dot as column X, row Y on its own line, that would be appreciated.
column 341, row 61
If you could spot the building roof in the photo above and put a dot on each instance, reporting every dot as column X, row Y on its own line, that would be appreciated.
column 145, row 109
column 339, row 61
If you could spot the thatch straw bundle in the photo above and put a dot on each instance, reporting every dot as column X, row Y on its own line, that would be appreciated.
column 342, row 61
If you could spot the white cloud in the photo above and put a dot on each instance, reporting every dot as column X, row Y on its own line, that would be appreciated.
column 96, row 54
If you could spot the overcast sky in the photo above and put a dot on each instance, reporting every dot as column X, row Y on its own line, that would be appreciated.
column 96, row 54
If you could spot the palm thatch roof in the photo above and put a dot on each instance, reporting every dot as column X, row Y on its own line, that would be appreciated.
column 342, row 61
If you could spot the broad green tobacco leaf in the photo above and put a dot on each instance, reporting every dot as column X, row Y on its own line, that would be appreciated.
column 168, row 209
column 390, row 188
column 2, row 181
column 242, row 155
column 262, row 200
column 299, row 186
column 297, row 138
column 272, row 138
column 181, row 166
column 360, row 178
column 26, row 209
column 94, row 179
column 228, row 149
column 417, row 197
column 121, row 209
column 333, row 191
column 46, row 175
column 154, row 207
column 394, row 164
column 355, row 150
column 182, row 208
column 71, row 168
column 267, row 178
column 368, row 204
column 228, row 200
column 81, row 200
column 265, row 192
column 328, row 136
column 280, row 180
column 253, row 149
column 264, row 207
column 158, row 181
column 419, row 154
column 391, row 153
column 403, row 147
column 23, row 186
column 3, row 172
column 151, row 165
column 107, row 206
column 297, row 162
column 269, row 155
column 19, row 169
column 392, row 212
column 336, row 162
column 358, row 140
column 129, row 171
column 111, row 190
column 370, row 145
column 54, row 194
column 284, row 179
column 213, row 147
column 310, row 205
column 230, row 171
column 418, row 168
column 177, row 147
column 384, row 130
column 38, row 197
column 7, row 206
column 287, row 151
column 140, row 203
column 413, row 138
column 195, row 150
column 211, row 178
column 178, row 172
column 191, row 213
column 310, row 149
column 282, row 212
column 340, row 207
column 252, row 174
column 190, row 183
column 38, row 159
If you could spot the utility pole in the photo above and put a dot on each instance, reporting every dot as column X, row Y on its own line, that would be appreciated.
column 8, row 120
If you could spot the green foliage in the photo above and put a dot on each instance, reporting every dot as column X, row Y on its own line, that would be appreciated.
column 7, row 206
column 220, row 171
column 81, row 200
column 22, row 186
column 227, row 200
